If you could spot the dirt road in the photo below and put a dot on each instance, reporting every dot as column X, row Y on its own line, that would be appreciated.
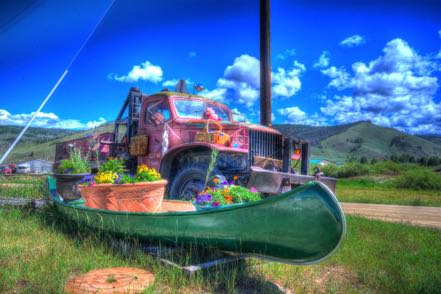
column 415, row 215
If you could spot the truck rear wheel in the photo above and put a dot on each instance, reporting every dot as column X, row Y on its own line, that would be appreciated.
column 188, row 182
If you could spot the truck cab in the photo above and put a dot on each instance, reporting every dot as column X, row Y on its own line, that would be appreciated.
column 176, row 133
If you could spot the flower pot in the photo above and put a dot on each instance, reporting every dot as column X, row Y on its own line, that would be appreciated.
column 139, row 197
column 98, row 196
column 67, row 185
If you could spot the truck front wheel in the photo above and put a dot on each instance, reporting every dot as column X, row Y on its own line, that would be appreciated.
column 188, row 182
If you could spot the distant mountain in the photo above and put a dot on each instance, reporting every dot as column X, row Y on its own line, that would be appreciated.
column 336, row 143
column 314, row 134
column 39, row 143
column 432, row 138
column 362, row 139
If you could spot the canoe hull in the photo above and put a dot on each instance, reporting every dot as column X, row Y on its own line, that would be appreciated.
column 302, row 226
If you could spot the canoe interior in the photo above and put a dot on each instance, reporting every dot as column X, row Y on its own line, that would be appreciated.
column 302, row 226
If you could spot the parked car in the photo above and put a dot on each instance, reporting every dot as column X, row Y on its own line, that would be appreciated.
column 13, row 167
column 5, row 170
column 23, row 169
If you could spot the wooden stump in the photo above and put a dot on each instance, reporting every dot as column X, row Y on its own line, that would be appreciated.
column 111, row 280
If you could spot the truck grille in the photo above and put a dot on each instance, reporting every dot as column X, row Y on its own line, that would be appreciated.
column 265, row 144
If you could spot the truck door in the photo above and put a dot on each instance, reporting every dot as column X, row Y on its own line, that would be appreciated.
column 156, row 113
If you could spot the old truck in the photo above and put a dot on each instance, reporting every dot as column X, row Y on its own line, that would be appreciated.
column 176, row 132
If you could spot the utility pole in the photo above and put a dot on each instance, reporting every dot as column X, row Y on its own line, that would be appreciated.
column 265, row 63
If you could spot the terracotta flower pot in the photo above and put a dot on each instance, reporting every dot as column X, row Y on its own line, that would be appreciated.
column 139, row 197
column 98, row 196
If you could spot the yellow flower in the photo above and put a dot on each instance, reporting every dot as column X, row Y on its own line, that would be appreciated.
column 105, row 177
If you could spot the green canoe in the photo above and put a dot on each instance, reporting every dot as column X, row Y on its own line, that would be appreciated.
column 302, row 226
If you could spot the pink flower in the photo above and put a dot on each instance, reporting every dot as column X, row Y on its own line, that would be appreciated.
column 254, row 190
column 92, row 184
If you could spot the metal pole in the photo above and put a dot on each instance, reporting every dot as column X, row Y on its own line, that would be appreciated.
column 265, row 63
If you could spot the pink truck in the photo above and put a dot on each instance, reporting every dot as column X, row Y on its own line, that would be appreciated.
column 176, row 133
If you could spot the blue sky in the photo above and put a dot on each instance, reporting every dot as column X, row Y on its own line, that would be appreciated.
column 332, row 63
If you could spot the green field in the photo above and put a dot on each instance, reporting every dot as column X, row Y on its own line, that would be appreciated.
column 39, row 252
column 354, row 191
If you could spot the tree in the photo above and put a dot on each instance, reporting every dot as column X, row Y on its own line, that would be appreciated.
column 363, row 160
column 433, row 161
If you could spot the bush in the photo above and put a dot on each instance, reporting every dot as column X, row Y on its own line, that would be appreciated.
column 386, row 168
column 75, row 164
column 350, row 169
column 423, row 179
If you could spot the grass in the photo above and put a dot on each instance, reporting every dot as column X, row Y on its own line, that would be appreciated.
column 39, row 252
column 366, row 190
column 23, row 186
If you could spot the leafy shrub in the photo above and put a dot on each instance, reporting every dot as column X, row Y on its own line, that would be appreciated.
column 114, row 165
column 418, row 179
column 350, row 169
column 386, row 168
column 75, row 164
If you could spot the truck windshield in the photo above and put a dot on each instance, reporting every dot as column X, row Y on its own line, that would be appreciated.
column 199, row 109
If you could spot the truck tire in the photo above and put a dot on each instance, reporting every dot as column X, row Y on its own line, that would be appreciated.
column 188, row 182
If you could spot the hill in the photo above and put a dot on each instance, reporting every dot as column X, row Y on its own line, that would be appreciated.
column 432, row 138
column 337, row 143
column 314, row 134
column 365, row 139
column 39, row 142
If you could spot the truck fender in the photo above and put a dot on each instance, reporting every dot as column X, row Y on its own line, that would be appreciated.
column 168, row 158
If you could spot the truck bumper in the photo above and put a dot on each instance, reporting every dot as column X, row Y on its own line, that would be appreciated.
column 271, row 182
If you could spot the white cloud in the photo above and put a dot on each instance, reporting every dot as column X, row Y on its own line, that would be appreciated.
column 286, row 54
column 397, row 90
column 353, row 41
column 286, row 83
column 294, row 115
column 241, row 81
column 146, row 71
column 217, row 94
column 170, row 83
column 46, row 120
column 323, row 60
column 339, row 77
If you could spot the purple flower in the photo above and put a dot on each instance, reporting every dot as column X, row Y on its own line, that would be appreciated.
column 224, row 183
column 118, row 179
column 68, row 170
column 203, row 198
column 215, row 204
column 254, row 190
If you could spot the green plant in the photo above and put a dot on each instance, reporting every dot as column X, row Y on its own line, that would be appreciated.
column 418, row 179
column 114, row 165
column 225, row 193
column 146, row 174
column 75, row 164
column 349, row 169
column 213, row 158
